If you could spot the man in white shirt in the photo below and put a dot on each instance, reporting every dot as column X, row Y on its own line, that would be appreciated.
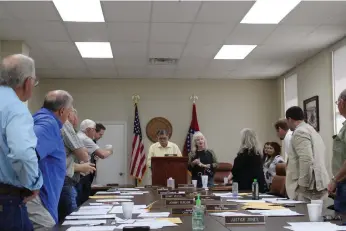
column 162, row 147
column 285, row 134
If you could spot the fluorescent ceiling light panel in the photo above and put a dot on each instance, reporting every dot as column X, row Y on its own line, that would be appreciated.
column 80, row 10
column 234, row 51
column 269, row 11
column 98, row 50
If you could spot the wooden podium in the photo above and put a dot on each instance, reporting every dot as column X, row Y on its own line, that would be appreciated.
column 163, row 168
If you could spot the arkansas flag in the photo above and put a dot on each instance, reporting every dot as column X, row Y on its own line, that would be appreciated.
column 193, row 128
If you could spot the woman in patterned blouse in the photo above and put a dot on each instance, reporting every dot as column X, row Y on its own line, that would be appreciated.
column 273, row 151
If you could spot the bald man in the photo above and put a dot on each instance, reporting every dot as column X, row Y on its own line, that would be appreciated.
column 48, row 121
column 20, row 178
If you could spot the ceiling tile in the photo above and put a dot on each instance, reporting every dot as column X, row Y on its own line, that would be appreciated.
column 7, row 32
column 75, row 72
column 165, row 50
column 324, row 36
column 201, row 51
column 248, row 34
column 122, row 49
column 161, row 71
column 316, row 13
column 99, row 63
column 87, row 32
column 291, row 34
column 46, row 31
column 214, row 74
column 210, row 33
column 49, row 73
column 174, row 11
column 170, row 32
column 224, row 65
column 67, row 61
column 127, row 62
column 187, row 73
column 60, row 48
column 106, row 72
column 43, row 62
column 223, row 11
column 128, row 32
column 33, row 10
column 193, row 62
column 126, row 11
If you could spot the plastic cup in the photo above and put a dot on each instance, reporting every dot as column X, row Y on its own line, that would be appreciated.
column 314, row 211
column 205, row 181
column 194, row 182
column 127, row 209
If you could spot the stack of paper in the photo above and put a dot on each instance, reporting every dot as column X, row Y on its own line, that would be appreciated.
column 282, row 201
column 87, row 217
column 247, row 201
column 160, row 214
column 100, row 207
column 84, row 222
column 108, row 197
column 137, row 209
column 92, row 228
column 128, row 189
column 226, row 214
column 277, row 213
column 315, row 226
column 112, row 200
column 107, row 192
column 154, row 224
column 84, row 212
column 227, row 195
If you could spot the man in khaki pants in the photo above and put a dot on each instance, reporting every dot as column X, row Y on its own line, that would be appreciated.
column 307, row 177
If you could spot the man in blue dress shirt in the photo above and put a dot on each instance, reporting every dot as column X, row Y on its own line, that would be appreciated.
column 43, row 210
column 20, row 177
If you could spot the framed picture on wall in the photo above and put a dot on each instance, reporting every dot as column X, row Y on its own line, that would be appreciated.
column 311, row 111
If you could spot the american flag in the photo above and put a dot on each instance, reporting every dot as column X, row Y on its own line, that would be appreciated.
column 138, row 163
column 194, row 127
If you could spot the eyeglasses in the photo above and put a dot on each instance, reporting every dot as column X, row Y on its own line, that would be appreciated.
column 332, row 218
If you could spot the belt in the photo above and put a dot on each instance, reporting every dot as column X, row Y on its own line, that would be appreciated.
column 6, row 189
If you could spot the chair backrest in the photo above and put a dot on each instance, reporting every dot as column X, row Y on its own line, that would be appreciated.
column 278, row 187
column 222, row 170
column 281, row 169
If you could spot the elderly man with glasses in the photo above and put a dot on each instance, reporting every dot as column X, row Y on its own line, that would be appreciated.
column 20, row 177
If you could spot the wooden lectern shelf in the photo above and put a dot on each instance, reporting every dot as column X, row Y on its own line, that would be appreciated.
column 163, row 168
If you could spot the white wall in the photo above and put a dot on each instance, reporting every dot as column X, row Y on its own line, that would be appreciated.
column 224, row 106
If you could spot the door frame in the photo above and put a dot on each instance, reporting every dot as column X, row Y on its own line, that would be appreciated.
column 125, row 142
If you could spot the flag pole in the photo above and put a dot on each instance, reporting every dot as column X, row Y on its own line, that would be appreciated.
column 135, row 99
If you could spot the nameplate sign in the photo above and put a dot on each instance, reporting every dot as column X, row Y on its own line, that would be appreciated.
column 172, row 196
column 151, row 186
column 159, row 191
column 209, row 197
column 186, row 186
column 182, row 211
column 223, row 208
column 245, row 220
column 179, row 202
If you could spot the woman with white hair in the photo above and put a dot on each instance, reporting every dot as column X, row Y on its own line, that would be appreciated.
column 248, row 164
column 202, row 161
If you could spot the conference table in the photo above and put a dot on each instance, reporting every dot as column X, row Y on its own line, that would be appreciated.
column 213, row 223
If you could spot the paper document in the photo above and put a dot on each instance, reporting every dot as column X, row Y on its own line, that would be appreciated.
column 84, row 222
column 92, row 228
column 157, row 224
column 137, row 209
column 128, row 189
column 106, row 192
column 282, row 201
column 228, row 195
column 161, row 214
column 97, row 207
column 108, row 197
column 315, row 226
column 107, row 216
column 175, row 220
column 247, row 201
column 226, row 214
column 90, row 212
column 277, row 213
column 112, row 200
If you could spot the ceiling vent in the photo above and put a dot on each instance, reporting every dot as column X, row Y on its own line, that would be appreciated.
column 163, row 61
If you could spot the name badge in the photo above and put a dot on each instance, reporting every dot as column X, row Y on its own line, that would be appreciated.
column 167, row 196
column 245, row 220
column 207, row 197
column 224, row 208
column 179, row 202
column 182, row 211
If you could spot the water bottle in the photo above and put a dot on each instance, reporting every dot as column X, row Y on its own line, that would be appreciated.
column 255, row 190
column 235, row 189
column 198, row 215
